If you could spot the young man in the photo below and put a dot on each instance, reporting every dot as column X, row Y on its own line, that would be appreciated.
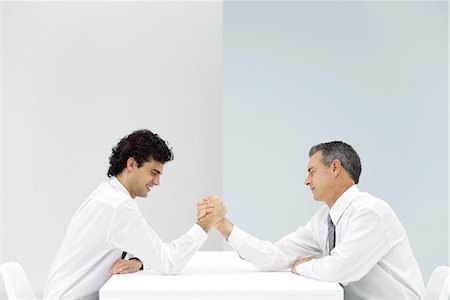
column 109, row 226
column 355, row 239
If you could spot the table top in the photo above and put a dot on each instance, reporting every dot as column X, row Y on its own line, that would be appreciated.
column 218, row 275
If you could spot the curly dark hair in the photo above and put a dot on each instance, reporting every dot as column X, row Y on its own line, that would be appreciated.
column 143, row 145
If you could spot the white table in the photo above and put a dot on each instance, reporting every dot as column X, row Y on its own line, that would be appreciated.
column 218, row 275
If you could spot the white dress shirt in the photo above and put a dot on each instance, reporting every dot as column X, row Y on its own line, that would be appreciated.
column 106, row 224
column 372, row 258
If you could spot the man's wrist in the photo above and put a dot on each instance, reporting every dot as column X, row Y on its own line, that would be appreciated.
column 225, row 227
column 219, row 224
column 135, row 258
column 206, row 226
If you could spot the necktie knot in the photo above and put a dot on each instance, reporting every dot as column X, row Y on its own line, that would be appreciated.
column 330, row 221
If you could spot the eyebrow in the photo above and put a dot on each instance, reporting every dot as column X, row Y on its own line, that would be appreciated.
column 156, row 171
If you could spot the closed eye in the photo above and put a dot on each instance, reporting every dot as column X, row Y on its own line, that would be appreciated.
column 154, row 172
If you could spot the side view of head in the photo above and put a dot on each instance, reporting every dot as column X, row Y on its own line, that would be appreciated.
column 142, row 145
column 138, row 161
column 333, row 168
column 343, row 152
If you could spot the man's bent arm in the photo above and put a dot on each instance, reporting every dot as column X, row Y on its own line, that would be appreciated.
column 225, row 227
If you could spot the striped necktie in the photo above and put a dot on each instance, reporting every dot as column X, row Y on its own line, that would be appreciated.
column 331, row 234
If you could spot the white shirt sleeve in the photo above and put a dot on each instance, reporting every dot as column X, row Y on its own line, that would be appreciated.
column 365, row 243
column 281, row 255
column 131, row 233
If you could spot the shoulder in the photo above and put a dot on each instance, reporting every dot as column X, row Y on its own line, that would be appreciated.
column 378, row 210
column 110, row 196
column 379, row 213
column 367, row 202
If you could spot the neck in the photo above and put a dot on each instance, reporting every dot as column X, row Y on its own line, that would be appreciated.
column 337, row 192
column 124, row 181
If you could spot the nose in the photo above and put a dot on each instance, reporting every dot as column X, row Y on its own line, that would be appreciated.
column 308, row 181
column 156, row 180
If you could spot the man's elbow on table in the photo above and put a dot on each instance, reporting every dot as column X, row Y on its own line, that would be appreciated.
column 266, row 264
column 333, row 270
column 169, row 269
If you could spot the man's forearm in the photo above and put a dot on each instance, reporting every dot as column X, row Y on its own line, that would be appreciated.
column 224, row 227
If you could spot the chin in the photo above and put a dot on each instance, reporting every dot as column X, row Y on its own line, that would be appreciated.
column 144, row 195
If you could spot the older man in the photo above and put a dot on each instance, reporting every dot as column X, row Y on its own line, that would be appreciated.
column 355, row 239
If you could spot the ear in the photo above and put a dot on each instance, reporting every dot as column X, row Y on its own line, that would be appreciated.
column 131, row 164
column 336, row 167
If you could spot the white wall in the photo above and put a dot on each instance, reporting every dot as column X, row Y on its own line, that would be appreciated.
column 373, row 74
column 77, row 77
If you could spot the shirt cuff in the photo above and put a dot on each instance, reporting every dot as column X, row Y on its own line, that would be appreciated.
column 198, row 231
column 305, row 269
column 237, row 237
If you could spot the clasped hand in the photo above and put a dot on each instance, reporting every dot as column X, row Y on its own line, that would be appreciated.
column 124, row 266
column 210, row 211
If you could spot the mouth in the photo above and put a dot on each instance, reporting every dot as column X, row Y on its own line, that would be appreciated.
column 149, row 187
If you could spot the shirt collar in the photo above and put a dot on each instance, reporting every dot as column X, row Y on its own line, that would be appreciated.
column 118, row 185
column 342, row 203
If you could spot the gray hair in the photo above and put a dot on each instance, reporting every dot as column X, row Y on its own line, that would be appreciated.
column 344, row 153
